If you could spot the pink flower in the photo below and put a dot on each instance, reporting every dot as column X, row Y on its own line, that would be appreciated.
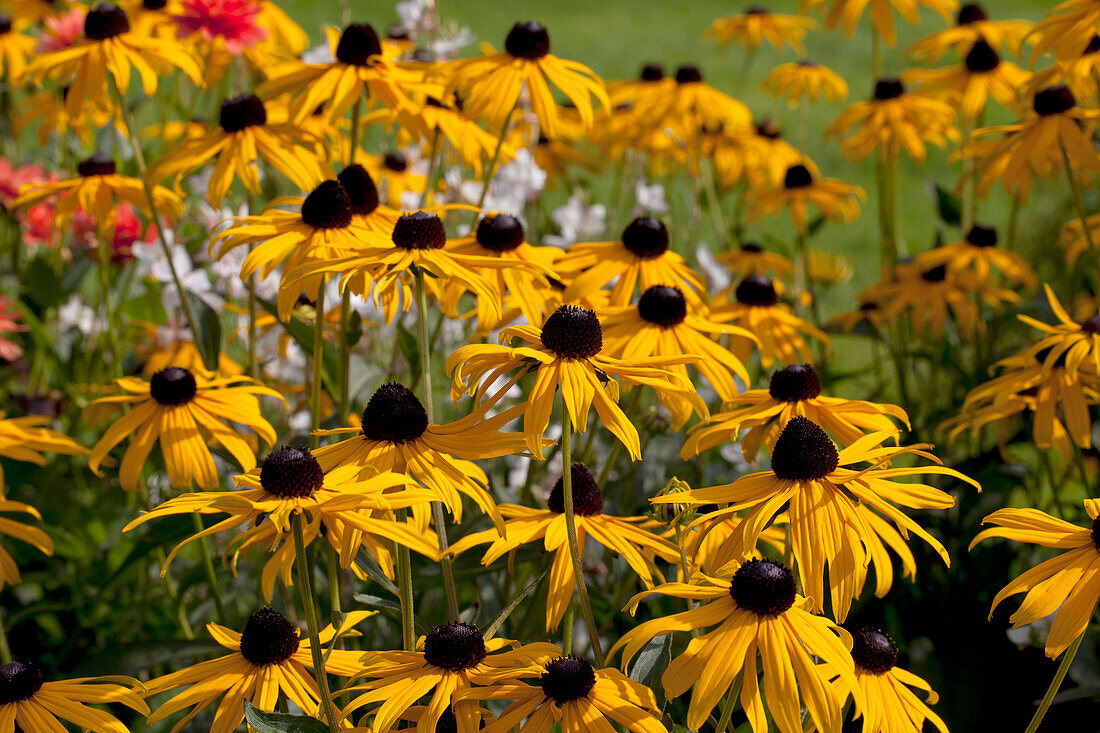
column 127, row 233
column 12, row 178
column 61, row 31
column 9, row 323
column 233, row 21
column 37, row 224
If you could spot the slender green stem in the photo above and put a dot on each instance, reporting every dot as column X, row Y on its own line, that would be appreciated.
column 876, row 54
column 490, row 171
column 345, row 358
column 173, row 594
column 1079, row 206
column 318, row 363
column 208, row 569
column 434, row 166
column 1055, row 684
column 253, row 312
column 1079, row 459
column 335, row 578
column 353, row 141
column 715, row 206
column 567, row 627
column 405, row 590
column 617, row 446
column 571, row 533
column 1013, row 222
column 309, row 607
column 730, row 704
column 5, row 650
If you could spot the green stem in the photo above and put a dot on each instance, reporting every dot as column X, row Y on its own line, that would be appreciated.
column 715, row 206
column 1013, row 222
column 208, row 569
column 253, row 363
column 490, row 171
column 1079, row 206
column 567, row 628
column 571, row 533
column 305, row 593
column 730, row 704
column 1055, row 684
column 5, row 650
column 335, row 577
column 617, row 446
column 345, row 358
column 318, row 363
column 405, row 590
column 434, row 166
column 356, row 111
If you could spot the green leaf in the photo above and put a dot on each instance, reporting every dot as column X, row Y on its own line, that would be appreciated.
column 355, row 329
column 263, row 722
column 302, row 333
column 410, row 348
column 652, row 661
column 512, row 605
column 41, row 284
column 947, row 206
column 208, row 331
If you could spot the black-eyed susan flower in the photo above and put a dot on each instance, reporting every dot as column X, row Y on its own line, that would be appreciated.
column 756, row 25
column 1066, row 31
column 894, row 120
column 979, row 255
column 29, row 703
column 690, row 106
column 639, row 260
column 1080, row 75
column 396, row 175
column 662, row 323
column 566, row 353
column 745, row 156
column 868, row 313
column 794, row 391
column 27, row 438
column 801, row 187
column 31, row 12
column 805, row 80
column 97, row 191
column 269, row 662
column 971, row 25
column 751, row 258
column 756, row 611
column 847, row 13
column 1069, row 342
column 490, row 85
column 824, row 488
column 626, row 536
column 447, row 662
column 33, row 536
column 933, row 295
column 827, row 268
column 981, row 75
column 1068, row 584
column 110, row 48
column 651, row 82
column 366, row 206
column 183, row 412
column 15, row 47
column 244, row 136
column 780, row 334
column 889, row 705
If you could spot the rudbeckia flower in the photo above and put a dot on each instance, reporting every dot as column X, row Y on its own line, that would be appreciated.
column 396, row 174
column 979, row 255
column 14, row 50
column 32, row 12
column 894, row 120
column 27, row 438
column 291, row 482
column 32, row 704
column 664, row 324
column 448, row 661
column 847, row 13
column 154, row 18
column 757, row 612
column 183, row 411
column 567, row 352
column 651, row 82
column 869, row 312
column 640, row 259
column 825, row 489
column 33, row 536
column 794, row 391
column 1069, row 342
column 752, row 259
column 1068, row 584
column 1080, row 75
column 888, row 706
column 690, row 106
column 1066, row 31
column 982, row 75
column 747, row 155
column 971, row 25
column 624, row 536
column 268, row 662
column 109, row 47
column 244, row 136
column 805, row 80
column 779, row 333
column 98, row 191
column 754, row 26
column 835, row 199
column 490, row 85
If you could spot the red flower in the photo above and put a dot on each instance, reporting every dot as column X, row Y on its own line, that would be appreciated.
column 127, row 233
column 61, row 31
column 233, row 21
column 14, row 177
column 9, row 323
column 37, row 223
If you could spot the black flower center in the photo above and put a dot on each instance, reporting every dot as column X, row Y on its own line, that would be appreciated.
column 663, row 305
column 888, row 89
column 154, row 4
column 765, row 587
column 500, row 233
column 1054, row 101
column 646, row 237
column 291, row 472
column 105, row 21
column 1096, row 532
column 756, row 290
column 795, row 383
column 935, row 274
column 528, row 40
column 873, row 651
column 1059, row 363
column 970, row 13
column 1091, row 325
column 327, row 207
column 97, row 165
column 688, row 74
column 237, row 113
column 980, row 236
column 652, row 72
column 396, row 161
column 358, row 43
column 419, row 230
column 19, row 681
column 803, row 452
column 448, row 723
column 5, row 24
column 362, row 193
column 982, row 57
column 587, row 499
column 567, row 679
column 268, row 638
column 173, row 386
column 751, row 248
column 768, row 128
column 572, row 332
column 1093, row 47
column 798, row 176
column 454, row 647
column 394, row 414
column 757, row 10
column 868, row 307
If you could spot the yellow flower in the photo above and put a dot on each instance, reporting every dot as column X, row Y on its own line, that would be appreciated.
column 869, row 312
column 979, row 256
column 109, row 47
column 27, row 438
column 1080, row 74
column 805, row 80
column 98, row 191
column 827, row 268
column 625, row 536
column 394, row 174
column 243, row 137
column 756, row 612
column 268, row 663
column 892, row 121
column 1072, row 237
column 32, row 12
column 682, row 111
column 14, row 50
column 969, row 86
column 490, row 86
column 849, row 12
column 33, row 536
column 835, row 199
column 756, row 25
column 971, row 25
column 1068, row 584
column 32, row 704
column 1067, row 30
column 752, row 259
column 182, row 411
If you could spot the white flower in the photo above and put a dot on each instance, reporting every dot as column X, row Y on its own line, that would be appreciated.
column 74, row 314
column 153, row 264
column 651, row 199
column 319, row 55
column 578, row 221
column 513, row 186
column 449, row 45
column 718, row 277
column 412, row 14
